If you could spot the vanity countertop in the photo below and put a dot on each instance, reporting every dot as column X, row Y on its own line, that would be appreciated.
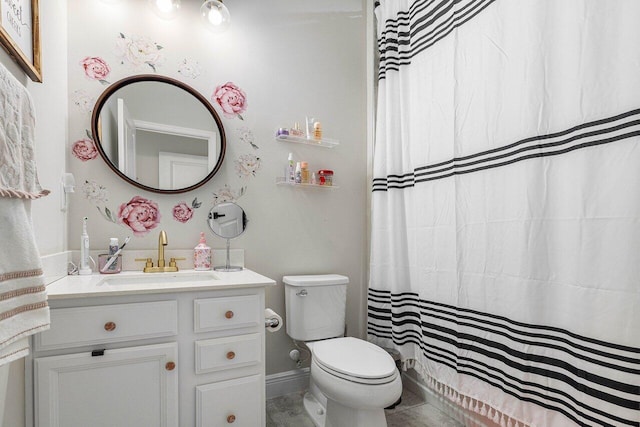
column 136, row 282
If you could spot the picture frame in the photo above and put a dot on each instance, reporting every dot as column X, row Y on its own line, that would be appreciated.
column 20, row 34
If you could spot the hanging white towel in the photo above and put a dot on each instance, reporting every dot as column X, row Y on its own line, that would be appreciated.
column 23, row 300
column 18, row 176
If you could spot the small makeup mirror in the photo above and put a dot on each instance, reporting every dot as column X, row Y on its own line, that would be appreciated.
column 227, row 220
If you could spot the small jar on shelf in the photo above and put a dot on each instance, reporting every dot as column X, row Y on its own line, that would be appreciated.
column 296, row 131
column 325, row 177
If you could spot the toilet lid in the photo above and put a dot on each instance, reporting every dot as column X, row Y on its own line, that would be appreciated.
column 354, row 357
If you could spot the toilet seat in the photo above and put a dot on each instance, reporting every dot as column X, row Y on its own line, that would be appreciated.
column 354, row 379
column 354, row 360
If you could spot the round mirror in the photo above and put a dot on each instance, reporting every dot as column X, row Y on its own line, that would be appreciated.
column 227, row 220
column 158, row 133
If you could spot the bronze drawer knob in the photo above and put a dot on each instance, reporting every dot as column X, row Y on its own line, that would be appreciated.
column 231, row 355
column 110, row 326
column 170, row 366
column 231, row 419
column 228, row 314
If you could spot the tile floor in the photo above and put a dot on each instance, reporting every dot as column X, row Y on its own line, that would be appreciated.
column 414, row 411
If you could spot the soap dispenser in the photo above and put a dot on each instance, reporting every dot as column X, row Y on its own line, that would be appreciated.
column 202, row 255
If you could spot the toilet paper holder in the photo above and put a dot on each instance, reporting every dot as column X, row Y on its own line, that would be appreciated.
column 271, row 323
column 272, row 320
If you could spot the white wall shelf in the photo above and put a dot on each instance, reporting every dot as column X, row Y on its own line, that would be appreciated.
column 324, row 142
column 282, row 181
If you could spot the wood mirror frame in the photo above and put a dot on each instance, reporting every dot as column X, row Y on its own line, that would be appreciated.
column 113, row 88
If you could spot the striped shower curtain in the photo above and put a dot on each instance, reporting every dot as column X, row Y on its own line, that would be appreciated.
column 505, row 257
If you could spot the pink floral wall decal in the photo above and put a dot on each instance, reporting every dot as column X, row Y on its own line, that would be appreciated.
column 139, row 51
column 99, row 196
column 84, row 149
column 227, row 194
column 96, row 68
column 83, row 100
column 182, row 212
column 95, row 192
column 231, row 99
column 107, row 214
column 140, row 215
column 189, row 68
column 247, row 165
column 246, row 136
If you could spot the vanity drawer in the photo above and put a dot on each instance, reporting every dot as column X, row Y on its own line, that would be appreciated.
column 236, row 403
column 214, row 314
column 228, row 353
column 80, row 326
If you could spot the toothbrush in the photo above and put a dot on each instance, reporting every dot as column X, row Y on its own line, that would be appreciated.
column 114, row 257
column 84, row 249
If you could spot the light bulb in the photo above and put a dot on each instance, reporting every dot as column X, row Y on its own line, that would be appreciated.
column 164, row 6
column 166, row 9
column 215, row 16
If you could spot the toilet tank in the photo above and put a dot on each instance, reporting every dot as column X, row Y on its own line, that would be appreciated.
column 315, row 306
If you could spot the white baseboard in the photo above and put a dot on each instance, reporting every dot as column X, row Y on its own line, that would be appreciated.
column 287, row 382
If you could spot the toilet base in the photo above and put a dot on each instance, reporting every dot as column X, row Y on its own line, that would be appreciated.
column 343, row 416
column 316, row 411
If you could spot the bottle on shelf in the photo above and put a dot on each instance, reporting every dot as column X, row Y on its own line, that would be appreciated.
column 304, row 173
column 296, row 131
column 317, row 131
column 298, row 174
column 290, row 173
column 309, row 121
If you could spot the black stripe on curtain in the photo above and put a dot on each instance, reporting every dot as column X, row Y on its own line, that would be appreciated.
column 465, row 339
column 599, row 132
column 419, row 28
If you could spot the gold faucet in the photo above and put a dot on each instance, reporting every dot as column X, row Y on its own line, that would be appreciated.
column 162, row 267
column 162, row 242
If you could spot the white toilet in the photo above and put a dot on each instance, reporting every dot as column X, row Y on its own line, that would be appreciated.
column 352, row 380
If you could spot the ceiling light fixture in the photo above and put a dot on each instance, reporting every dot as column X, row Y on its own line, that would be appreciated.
column 215, row 16
column 166, row 9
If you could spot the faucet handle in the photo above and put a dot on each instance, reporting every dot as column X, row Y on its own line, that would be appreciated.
column 172, row 261
column 149, row 262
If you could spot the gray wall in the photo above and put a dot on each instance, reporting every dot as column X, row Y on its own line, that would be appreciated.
column 292, row 59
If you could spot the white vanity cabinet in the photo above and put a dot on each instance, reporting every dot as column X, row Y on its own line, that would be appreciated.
column 79, row 385
column 235, row 359
column 122, row 387
column 190, row 358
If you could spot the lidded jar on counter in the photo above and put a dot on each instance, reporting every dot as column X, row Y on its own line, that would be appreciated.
column 325, row 177
column 202, row 255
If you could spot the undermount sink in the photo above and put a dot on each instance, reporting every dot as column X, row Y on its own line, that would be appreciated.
column 158, row 278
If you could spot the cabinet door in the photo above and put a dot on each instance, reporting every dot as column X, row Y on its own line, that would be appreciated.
column 237, row 403
column 135, row 386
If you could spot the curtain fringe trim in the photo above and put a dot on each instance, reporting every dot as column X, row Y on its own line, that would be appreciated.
column 467, row 402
